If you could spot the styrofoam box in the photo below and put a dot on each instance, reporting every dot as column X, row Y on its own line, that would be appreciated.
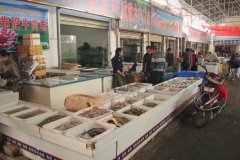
column 129, row 107
column 15, row 108
column 161, row 87
column 116, row 114
column 163, row 92
column 141, row 95
column 8, row 97
column 159, row 97
column 144, row 101
column 144, row 85
column 108, row 106
column 108, row 96
column 89, row 108
column 129, row 98
column 87, row 126
column 51, row 126
column 33, row 109
column 36, row 120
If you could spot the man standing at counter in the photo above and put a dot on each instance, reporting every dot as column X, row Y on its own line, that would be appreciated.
column 118, row 76
column 147, row 64
column 158, row 67
column 10, row 76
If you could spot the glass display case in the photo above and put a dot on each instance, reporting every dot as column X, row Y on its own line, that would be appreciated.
column 131, row 49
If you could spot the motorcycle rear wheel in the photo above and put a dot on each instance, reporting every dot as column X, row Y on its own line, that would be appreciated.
column 201, row 118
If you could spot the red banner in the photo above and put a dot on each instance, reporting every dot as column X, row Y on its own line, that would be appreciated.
column 225, row 30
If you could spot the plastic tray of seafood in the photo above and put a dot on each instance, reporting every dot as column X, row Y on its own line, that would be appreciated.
column 64, row 124
column 15, row 109
column 47, row 118
column 116, row 105
column 117, row 119
column 90, row 131
column 159, row 97
column 131, row 100
column 30, row 113
column 134, row 111
column 141, row 85
column 93, row 112
column 164, row 92
column 150, row 103
column 141, row 95
column 109, row 96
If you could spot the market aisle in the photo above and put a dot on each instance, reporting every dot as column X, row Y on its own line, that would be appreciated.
column 219, row 140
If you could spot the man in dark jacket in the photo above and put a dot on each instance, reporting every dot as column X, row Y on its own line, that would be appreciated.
column 147, row 64
column 10, row 76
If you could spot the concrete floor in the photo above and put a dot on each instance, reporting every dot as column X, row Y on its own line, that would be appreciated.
column 180, row 140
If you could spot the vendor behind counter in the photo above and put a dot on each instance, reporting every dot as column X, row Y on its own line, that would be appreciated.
column 10, row 76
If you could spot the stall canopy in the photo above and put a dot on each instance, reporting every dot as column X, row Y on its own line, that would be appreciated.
column 225, row 30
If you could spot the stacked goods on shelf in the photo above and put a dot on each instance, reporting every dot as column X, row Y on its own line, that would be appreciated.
column 31, row 51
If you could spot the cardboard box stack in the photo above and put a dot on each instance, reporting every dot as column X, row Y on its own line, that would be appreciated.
column 31, row 51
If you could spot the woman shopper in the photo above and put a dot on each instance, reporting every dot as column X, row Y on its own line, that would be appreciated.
column 118, row 70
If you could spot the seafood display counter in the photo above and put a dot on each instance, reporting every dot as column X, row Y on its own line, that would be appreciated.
column 130, row 117
column 53, row 91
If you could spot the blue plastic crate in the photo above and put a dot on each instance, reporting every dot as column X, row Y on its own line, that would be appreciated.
column 199, row 74
column 169, row 75
column 186, row 74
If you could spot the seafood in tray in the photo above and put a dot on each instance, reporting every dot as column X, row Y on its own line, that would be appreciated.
column 50, row 119
column 94, row 112
column 118, row 121
column 16, row 110
column 135, row 111
column 150, row 104
column 91, row 133
column 31, row 114
column 131, row 100
column 108, row 96
column 118, row 105
column 67, row 125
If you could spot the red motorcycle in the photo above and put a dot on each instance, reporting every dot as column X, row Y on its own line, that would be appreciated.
column 211, row 98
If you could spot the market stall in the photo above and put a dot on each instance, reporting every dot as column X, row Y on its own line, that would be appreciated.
column 130, row 117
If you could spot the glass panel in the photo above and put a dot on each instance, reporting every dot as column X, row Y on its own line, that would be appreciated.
column 131, row 49
column 157, row 46
column 90, row 46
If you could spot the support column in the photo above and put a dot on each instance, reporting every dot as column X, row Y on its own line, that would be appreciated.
column 177, row 54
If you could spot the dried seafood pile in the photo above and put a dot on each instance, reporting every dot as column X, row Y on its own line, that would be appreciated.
column 72, row 123
column 118, row 121
column 31, row 114
column 91, row 133
column 123, row 89
column 16, row 110
column 132, row 100
column 95, row 112
column 50, row 119
column 150, row 104
column 135, row 111
column 118, row 105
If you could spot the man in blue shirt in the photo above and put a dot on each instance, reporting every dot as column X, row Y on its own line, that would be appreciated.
column 118, row 76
